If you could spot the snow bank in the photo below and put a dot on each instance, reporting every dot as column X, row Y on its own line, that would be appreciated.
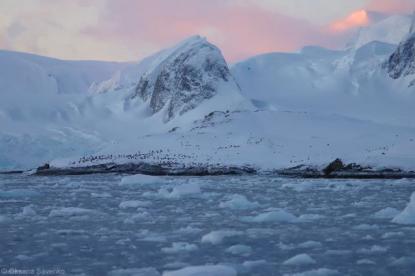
column 238, row 202
column 206, row 270
column 134, row 272
column 301, row 259
column 179, row 247
column 140, row 179
column 407, row 216
column 217, row 237
column 387, row 213
column 273, row 216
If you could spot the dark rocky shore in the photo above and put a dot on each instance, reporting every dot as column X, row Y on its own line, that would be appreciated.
column 148, row 169
column 336, row 170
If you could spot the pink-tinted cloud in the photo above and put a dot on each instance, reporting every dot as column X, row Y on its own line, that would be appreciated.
column 356, row 19
column 239, row 30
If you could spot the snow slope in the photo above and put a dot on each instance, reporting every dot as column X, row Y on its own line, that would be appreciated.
column 352, row 82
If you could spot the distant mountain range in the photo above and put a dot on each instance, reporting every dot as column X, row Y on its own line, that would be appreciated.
column 186, row 105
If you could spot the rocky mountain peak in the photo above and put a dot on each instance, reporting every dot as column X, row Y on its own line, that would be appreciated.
column 402, row 62
column 183, row 77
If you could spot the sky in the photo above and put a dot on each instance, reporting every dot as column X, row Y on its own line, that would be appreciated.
column 128, row 30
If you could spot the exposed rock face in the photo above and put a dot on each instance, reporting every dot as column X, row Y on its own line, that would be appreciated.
column 184, row 77
column 402, row 62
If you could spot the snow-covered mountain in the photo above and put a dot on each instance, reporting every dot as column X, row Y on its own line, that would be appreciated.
column 185, row 105
column 350, row 82
column 390, row 29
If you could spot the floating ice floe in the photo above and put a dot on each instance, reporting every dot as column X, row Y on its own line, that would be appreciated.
column 179, row 247
column 253, row 264
column 140, row 179
column 71, row 212
column 310, row 244
column 217, row 237
column 273, row 216
column 238, row 202
column 18, row 193
column 387, row 213
column 240, row 249
column 28, row 211
column 407, row 216
column 365, row 262
column 180, row 191
column 404, row 261
column 134, row 272
column 376, row 249
column 301, row 259
column 133, row 204
column 206, row 270
column 3, row 219
column 317, row 272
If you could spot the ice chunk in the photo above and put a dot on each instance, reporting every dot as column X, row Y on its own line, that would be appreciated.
column 318, row 272
column 179, row 247
column 133, row 204
column 310, row 244
column 301, row 259
column 3, row 219
column 206, row 270
column 217, row 237
column 71, row 212
column 373, row 250
column 134, row 272
column 238, row 202
column 273, row 216
column 28, row 211
column 387, row 213
column 365, row 262
column 252, row 264
column 407, row 216
column 240, row 249
column 140, row 179
column 18, row 193
column 181, row 190
column 404, row 261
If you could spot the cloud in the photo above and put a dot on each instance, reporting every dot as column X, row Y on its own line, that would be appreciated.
column 356, row 19
column 133, row 29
